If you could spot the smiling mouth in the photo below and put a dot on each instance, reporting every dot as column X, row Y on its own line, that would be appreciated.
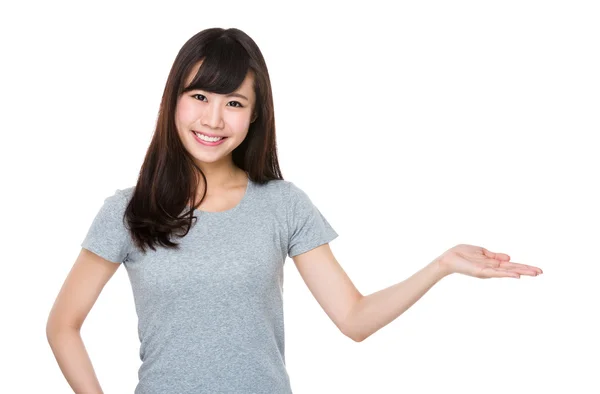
column 207, row 138
column 208, row 142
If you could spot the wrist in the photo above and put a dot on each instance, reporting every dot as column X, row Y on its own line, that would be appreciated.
column 440, row 268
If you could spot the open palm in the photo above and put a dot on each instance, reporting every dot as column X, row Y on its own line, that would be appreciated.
column 481, row 263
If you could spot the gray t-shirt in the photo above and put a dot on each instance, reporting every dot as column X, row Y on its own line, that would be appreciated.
column 210, row 315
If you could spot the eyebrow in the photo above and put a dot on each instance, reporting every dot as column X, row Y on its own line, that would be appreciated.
column 237, row 95
column 232, row 95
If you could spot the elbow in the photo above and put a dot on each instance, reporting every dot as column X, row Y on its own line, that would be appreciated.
column 360, row 338
column 51, row 329
column 351, row 327
column 354, row 336
column 54, row 328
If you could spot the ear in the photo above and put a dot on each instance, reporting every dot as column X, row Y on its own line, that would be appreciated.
column 254, row 118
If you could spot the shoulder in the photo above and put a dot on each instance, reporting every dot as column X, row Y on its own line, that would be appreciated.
column 273, row 188
column 293, row 192
column 275, row 195
column 287, row 191
column 118, row 200
column 126, row 192
column 124, row 195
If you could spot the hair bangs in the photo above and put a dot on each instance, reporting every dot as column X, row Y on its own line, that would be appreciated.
column 224, row 67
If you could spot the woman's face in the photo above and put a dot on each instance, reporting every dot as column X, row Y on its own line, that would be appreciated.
column 214, row 114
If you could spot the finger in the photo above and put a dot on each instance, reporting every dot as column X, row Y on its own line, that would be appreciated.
column 490, row 272
column 511, row 265
column 521, row 269
column 496, row 256
column 524, row 271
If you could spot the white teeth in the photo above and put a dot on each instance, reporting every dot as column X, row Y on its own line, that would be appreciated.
column 206, row 138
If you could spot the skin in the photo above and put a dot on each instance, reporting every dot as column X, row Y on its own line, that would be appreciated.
column 77, row 296
column 222, row 115
column 358, row 316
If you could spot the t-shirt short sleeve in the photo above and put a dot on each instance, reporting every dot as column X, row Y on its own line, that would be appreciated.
column 308, row 228
column 107, row 236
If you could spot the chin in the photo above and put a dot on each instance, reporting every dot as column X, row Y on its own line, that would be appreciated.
column 207, row 158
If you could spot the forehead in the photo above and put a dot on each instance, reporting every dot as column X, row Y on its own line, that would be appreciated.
column 246, row 85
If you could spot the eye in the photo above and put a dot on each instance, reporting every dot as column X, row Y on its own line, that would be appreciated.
column 202, row 97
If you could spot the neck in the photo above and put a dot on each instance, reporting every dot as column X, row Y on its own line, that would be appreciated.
column 220, row 176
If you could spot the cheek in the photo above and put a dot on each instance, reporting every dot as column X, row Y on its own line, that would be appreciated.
column 184, row 114
column 240, row 123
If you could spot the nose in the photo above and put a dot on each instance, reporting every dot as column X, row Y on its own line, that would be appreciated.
column 212, row 117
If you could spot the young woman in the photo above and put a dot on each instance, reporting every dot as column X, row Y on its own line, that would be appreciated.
column 204, row 234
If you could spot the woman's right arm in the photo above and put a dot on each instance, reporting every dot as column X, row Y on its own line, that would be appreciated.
column 76, row 297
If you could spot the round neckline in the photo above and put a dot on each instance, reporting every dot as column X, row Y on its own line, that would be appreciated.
column 245, row 197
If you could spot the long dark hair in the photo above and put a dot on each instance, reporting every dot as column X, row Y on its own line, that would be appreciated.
column 169, row 178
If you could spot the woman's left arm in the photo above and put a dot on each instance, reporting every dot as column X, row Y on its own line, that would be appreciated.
column 374, row 311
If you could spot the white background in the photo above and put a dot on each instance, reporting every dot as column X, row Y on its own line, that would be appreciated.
column 413, row 127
